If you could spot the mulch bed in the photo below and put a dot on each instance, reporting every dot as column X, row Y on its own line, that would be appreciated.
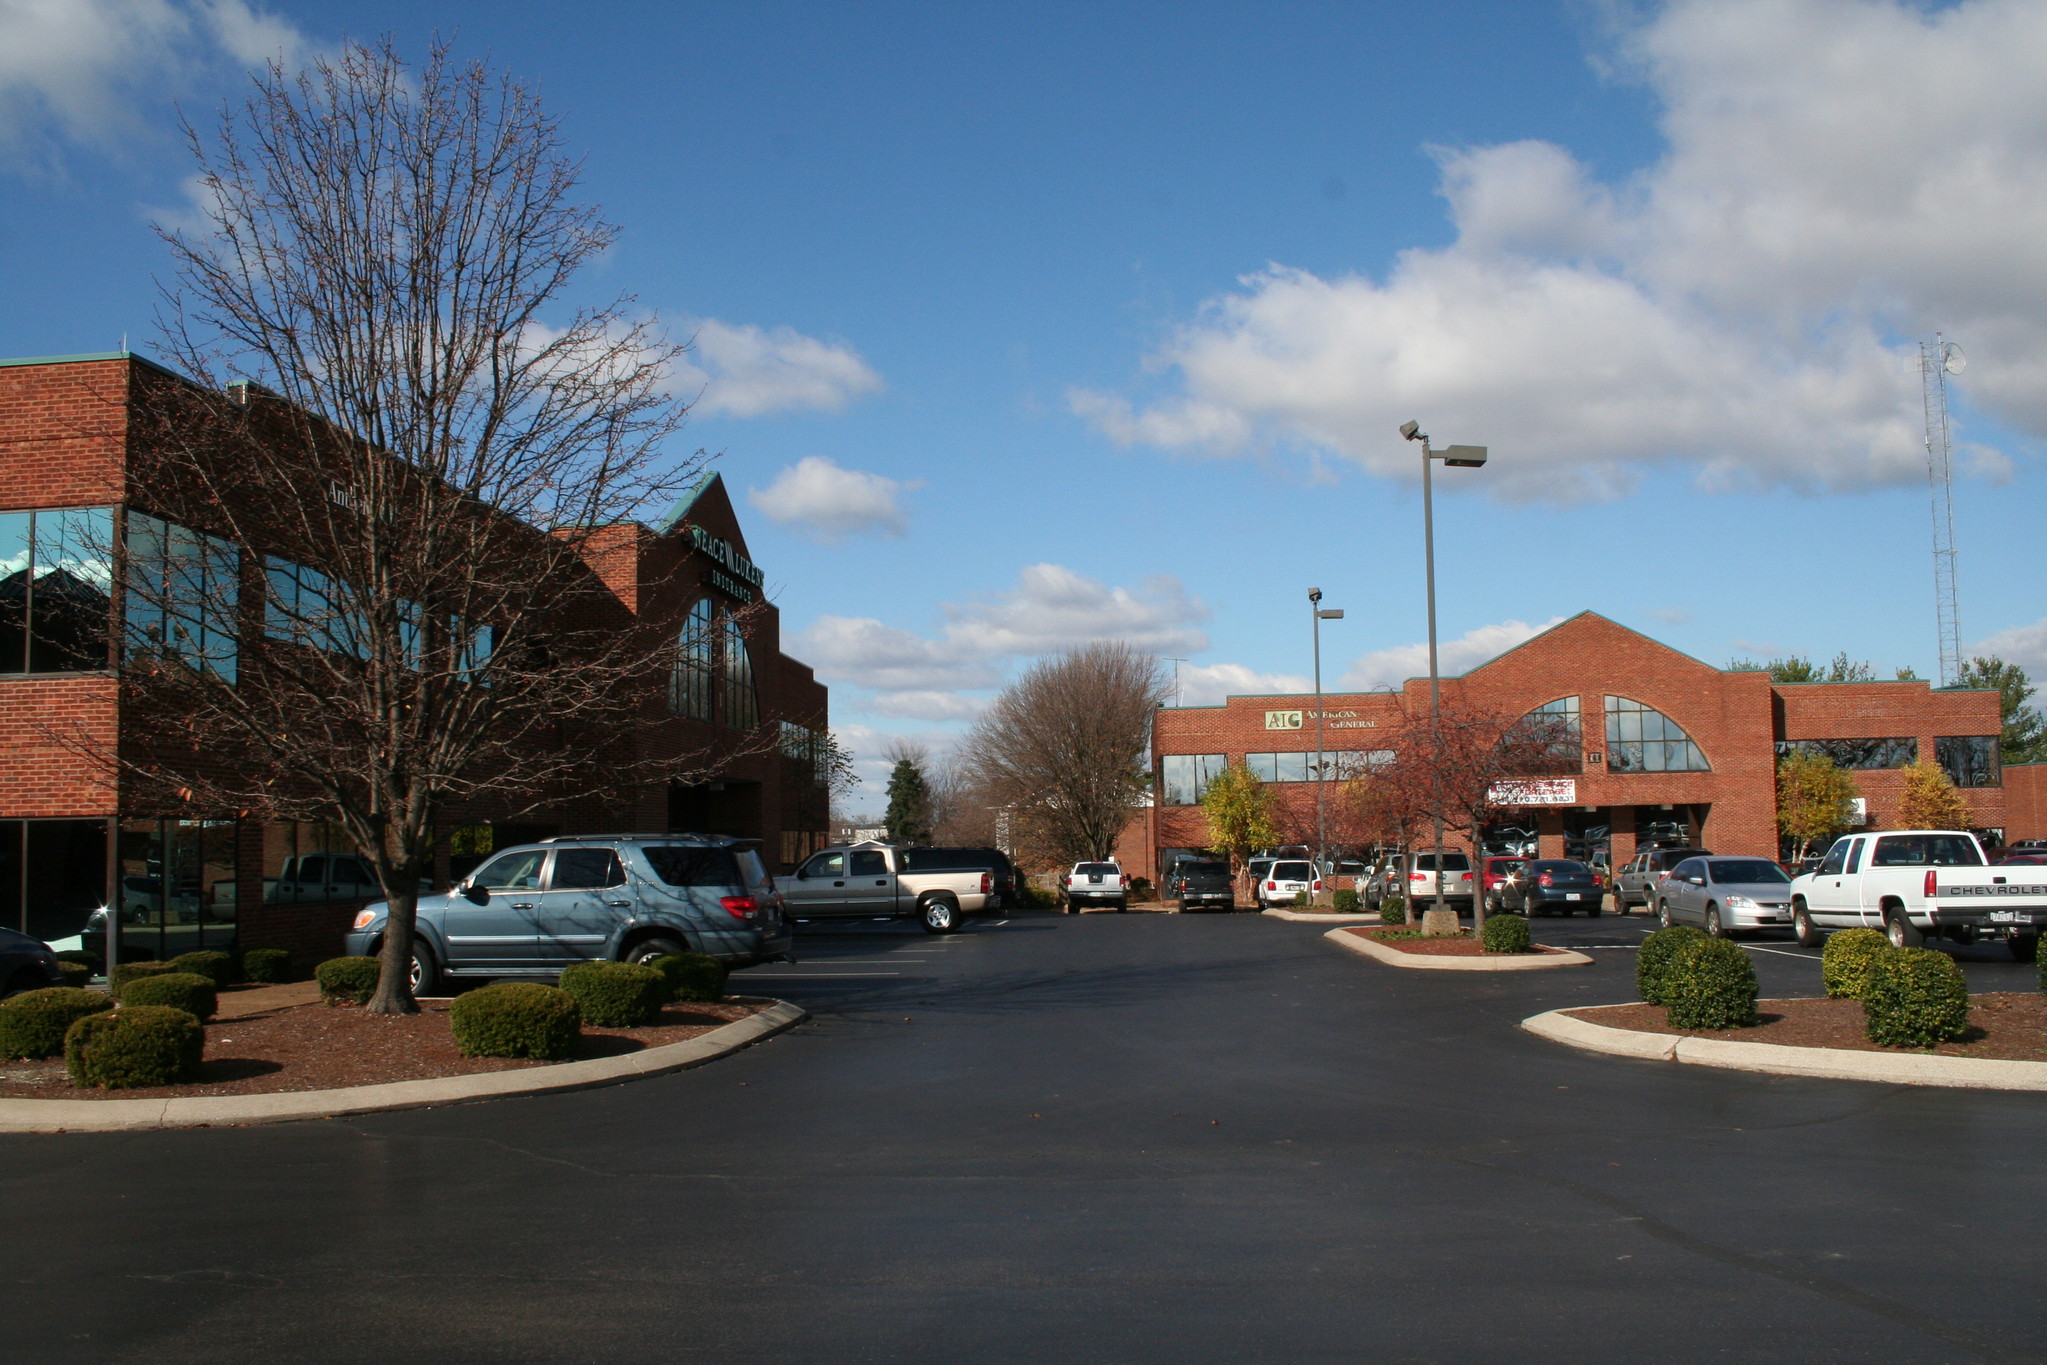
column 1466, row 944
column 321, row 1047
column 2006, row 1025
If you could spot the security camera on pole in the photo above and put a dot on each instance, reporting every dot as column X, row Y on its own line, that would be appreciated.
column 1456, row 457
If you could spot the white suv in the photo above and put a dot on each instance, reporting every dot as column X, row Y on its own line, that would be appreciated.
column 1096, row 884
column 1421, row 881
column 1284, row 880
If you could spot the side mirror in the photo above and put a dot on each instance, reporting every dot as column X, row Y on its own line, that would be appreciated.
column 478, row 895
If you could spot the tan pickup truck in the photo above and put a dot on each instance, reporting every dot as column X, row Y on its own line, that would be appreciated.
column 871, row 881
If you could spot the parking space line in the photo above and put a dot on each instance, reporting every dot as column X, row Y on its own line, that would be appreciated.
column 804, row 976
column 1783, row 952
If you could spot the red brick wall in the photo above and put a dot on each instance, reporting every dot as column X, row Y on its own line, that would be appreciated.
column 39, row 776
column 62, row 429
column 2025, row 801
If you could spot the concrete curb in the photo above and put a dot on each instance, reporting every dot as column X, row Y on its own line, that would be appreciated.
column 1310, row 917
column 1829, row 1063
column 114, row 1116
column 1393, row 957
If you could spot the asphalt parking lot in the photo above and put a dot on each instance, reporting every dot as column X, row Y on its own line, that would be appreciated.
column 1098, row 1138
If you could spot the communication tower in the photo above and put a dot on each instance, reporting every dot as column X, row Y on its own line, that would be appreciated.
column 1937, row 360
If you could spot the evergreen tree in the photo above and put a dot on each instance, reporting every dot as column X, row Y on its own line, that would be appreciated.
column 909, row 803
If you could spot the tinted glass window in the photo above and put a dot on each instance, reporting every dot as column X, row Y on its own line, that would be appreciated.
column 868, row 863
column 826, row 865
column 686, row 865
column 312, row 870
column 1292, row 872
column 1097, row 870
column 1745, row 870
column 1855, row 855
column 950, row 860
column 518, row 871
column 1836, row 859
column 1560, row 866
column 751, row 867
column 1204, row 869
column 586, row 869
column 1926, row 850
column 1688, row 868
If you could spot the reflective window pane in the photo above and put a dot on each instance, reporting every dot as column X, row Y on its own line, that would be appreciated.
column 14, row 576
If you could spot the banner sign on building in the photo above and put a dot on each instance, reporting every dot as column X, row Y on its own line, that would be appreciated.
column 1283, row 720
column 1534, row 791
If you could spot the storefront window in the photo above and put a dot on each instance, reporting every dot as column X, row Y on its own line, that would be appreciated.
column 1186, row 776
column 1969, row 760
column 689, row 690
column 1862, row 755
column 311, row 861
column 53, row 875
column 176, row 886
column 184, row 592
column 56, row 584
column 1641, row 739
column 741, row 708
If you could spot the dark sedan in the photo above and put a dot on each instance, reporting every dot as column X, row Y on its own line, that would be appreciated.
column 26, row 964
column 1551, row 886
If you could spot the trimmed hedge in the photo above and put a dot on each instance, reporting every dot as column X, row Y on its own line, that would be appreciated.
column 83, row 959
column 187, row 991
column 267, row 965
column 351, row 979
column 124, row 972
column 616, row 994
column 516, row 1019
column 32, row 1024
column 135, row 1045
column 1710, row 984
column 1914, row 997
column 1505, row 934
column 75, row 974
column 2041, row 962
column 1346, row 902
column 1301, row 900
column 1847, row 958
column 214, row 965
column 692, row 976
column 1653, row 959
column 1393, row 910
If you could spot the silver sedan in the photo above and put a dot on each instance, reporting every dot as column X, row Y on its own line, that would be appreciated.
column 1725, row 896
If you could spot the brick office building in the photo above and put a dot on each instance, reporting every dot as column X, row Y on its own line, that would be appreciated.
column 1672, row 748
column 73, row 529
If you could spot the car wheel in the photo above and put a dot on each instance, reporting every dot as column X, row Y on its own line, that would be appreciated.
column 1809, row 935
column 1900, row 930
column 1714, row 929
column 940, row 917
column 1662, row 915
column 2024, row 947
column 426, row 975
column 647, row 950
column 1123, row 907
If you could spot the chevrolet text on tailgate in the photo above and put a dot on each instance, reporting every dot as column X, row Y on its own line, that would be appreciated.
column 1918, row 884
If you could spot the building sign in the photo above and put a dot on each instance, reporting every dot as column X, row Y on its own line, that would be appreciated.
column 1334, row 720
column 740, row 579
column 1534, row 791
column 1283, row 720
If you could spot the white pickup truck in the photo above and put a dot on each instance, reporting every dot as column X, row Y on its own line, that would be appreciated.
column 875, row 880
column 1916, row 884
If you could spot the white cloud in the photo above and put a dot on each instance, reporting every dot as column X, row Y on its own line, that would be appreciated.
column 831, row 503
column 1210, row 684
column 90, row 70
column 862, row 651
column 926, row 705
column 1669, row 616
column 1053, row 608
column 1389, row 668
column 2025, row 646
column 748, row 371
column 1743, row 307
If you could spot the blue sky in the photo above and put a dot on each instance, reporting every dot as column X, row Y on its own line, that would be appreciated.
column 1021, row 326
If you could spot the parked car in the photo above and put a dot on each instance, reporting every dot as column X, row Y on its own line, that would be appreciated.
column 1493, row 874
column 26, row 964
column 1256, row 868
column 326, row 877
column 875, row 880
column 1096, row 884
column 2026, row 846
column 1200, row 884
column 1919, row 884
column 2027, row 859
column 1551, row 886
column 533, row 909
column 1637, row 881
column 1725, row 896
column 1284, row 880
column 1421, row 881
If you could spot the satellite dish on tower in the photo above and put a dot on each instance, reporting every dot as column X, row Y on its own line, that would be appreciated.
column 1951, row 358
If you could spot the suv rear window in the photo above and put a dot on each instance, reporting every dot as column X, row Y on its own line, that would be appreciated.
column 684, row 865
column 1292, row 872
column 1452, row 862
column 1097, row 870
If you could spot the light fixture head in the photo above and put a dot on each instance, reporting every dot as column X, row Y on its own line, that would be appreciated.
column 1410, row 429
column 1314, row 594
column 1331, row 614
column 1464, row 457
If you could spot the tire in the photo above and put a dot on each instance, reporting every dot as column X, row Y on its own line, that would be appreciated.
column 1808, row 933
column 1714, row 928
column 1229, row 907
column 2024, row 947
column 647, row 949
column 426, row 974
column 939, row 916
column 1662, row 915
column 1123, row 907
column 1898, row 928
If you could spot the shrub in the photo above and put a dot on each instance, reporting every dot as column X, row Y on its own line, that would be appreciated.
column 83, row 959
column 135, row 1045
column 1710, row 984
column 692, row 976
column 352, row 979
column 75, row 974
column 1847, row 958
column 616, row 994
column 32, row 1024
column 124, row 972
column 1393, row 910
column 1505, row 934
column 214, row 965
column 516, row 1019
column 267, row 964
column 1914, row 997
column 1346, row 902
column 187, row 991
column 1300, row 901
column 1652, row 961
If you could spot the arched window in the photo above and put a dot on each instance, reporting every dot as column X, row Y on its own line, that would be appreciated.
column 689, row 689
column 1551, row 736
column 1641, row 739
column 741, row 710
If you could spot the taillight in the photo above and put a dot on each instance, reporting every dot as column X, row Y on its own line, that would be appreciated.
column 1543, row 880
column 1417, row 876
column 987, row 883
column 1272, row 886
column 1929, row 883
column 740, row 907
column 1318, row 883
column 1125, row 880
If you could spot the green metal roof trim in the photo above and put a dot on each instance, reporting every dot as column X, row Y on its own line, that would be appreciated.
column 675, row 514
column 85, row 359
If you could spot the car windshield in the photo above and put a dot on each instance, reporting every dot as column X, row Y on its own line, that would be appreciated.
column 1745, row 870
column 1097, row 870
column 1926, row 850
column 1292, row 872
column 684, row 865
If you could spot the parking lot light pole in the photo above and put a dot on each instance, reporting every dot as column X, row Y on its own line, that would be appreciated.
column 1319, row 616
column 1456, row 457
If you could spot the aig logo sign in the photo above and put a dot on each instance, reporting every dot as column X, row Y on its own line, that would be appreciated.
column 1283, row 720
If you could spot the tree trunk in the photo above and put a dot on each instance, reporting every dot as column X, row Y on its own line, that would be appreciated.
column 394, row 979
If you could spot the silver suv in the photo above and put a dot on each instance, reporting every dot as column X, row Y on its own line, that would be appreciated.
column 532, row 910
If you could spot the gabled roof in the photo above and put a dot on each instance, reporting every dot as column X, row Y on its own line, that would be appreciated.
column 708, row 505
column 1567, row 624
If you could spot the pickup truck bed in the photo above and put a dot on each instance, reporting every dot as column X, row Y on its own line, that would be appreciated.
column 1920, row 884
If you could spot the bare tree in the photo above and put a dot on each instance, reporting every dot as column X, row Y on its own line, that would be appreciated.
column 1063, row 746
column 429, row 476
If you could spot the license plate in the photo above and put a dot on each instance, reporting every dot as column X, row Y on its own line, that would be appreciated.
column 2006, row 917
column 1572, row 896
